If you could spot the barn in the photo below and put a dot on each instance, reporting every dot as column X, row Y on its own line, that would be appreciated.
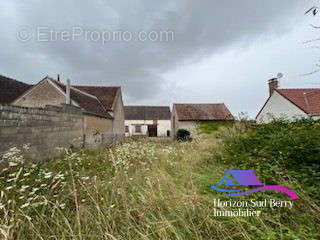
column 151, row 121
column 188, row 116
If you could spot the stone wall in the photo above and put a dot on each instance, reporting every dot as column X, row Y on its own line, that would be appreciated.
column 118, row 114
column 44, row 93
column 97, row 124
column 51, row 129
column 98, row 131
column 44, row 129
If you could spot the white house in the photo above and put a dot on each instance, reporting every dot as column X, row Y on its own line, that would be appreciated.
column 289, row 103
column 188, row 116
column 151, row 121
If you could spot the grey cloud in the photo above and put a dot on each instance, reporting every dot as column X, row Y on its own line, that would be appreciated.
column 202, row 28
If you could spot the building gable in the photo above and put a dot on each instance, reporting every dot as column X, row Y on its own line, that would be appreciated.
column 118, row 113
column 42, row 94
column 277, row 107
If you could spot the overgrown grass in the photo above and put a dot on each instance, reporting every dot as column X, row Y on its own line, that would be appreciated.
column 277, row 150
column 209, row 127
column 137, row 190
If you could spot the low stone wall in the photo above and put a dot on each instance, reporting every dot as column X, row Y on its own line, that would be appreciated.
column 43, row 129
column 47, row 131
column 98, row 140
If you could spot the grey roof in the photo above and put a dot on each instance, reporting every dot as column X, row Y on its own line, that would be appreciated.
column 147, row 113
column 11, row 89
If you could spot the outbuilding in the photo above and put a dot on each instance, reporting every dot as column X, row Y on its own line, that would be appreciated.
column 151, row 121
column 188, row 116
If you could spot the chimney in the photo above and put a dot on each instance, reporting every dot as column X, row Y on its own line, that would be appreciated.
column 68, row 99
column 273, row 84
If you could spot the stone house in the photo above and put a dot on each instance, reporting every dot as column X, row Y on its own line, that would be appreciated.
column 188, row 116
column 152, row 121
column 289, row 103
column 102, row 106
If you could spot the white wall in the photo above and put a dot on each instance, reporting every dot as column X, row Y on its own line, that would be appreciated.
column 279, row 107
column 191, row 126
column 163, row 126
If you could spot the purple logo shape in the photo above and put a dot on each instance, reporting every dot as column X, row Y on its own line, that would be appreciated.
column 243, row 177
column 247, row 178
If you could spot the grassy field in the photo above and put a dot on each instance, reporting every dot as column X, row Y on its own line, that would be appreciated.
column 139, row 190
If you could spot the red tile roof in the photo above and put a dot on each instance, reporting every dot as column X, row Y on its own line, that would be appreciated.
column 307, row 99
column 11, row 89
column 202, row 112
column 89, row 103
column 107, row 95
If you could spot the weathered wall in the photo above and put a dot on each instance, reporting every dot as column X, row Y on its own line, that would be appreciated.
column 162, row 127
column 93, row 124
column 174, row 122
column 41, row 95
column 279, row 107
column 191, row 126
column 118, row 114
column 45, row 129
column 52, row 127
column 98, row 131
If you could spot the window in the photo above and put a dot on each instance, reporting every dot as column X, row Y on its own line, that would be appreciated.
column 138, row 128
column 127, row 129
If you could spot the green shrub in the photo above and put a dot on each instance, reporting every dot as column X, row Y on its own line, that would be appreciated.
column 277, row 149
column 209, row 127
column 183, row 135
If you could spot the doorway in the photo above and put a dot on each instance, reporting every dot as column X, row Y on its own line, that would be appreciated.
column 152, row 131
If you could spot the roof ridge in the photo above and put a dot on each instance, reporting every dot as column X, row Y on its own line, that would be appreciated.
column 199, row 103
column 83, row 92
column 297, row 88
column 72, row 87
column 96, row 86
column 146, row 106
column 10, row 78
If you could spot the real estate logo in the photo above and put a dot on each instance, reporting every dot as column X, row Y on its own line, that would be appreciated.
column 247, row 178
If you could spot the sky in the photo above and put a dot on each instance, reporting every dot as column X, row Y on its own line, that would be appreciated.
column 164, row 52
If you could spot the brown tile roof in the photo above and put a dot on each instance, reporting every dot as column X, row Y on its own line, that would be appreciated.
column 89, row 103
column 107, row 95
column 11, row 89
column 202, row 112
column 307, row 99
column 147, row 113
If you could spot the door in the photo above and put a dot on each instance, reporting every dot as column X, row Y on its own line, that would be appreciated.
column 152, row 131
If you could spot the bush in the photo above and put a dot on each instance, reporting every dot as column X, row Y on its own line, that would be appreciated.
column 278, row 149
column 209, row 127
column 183, row 135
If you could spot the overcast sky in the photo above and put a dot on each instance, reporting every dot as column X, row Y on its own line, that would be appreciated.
column 214, row 51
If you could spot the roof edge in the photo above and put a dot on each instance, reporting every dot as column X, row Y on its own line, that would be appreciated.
column 108, row 116
column 292, row 101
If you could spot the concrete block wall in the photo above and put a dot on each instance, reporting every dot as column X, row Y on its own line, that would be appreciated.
column 44, row 129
